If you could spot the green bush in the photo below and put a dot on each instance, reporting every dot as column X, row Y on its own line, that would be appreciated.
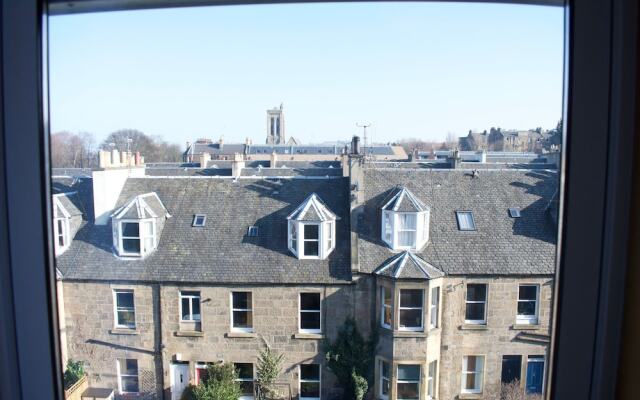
column 73, row 373
column 351, row 353
column 219, row 384
column 360, row 386
column 267, row 371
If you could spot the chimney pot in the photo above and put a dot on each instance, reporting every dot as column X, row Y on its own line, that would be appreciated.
column 115, row 158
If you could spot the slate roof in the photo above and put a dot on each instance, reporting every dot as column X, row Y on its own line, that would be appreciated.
column 146, row 205
column 407, row 265
column 312, row 209
column 221, row 251
column 67, row 204
column 403, row 200
column 501, row 245
column 82, row 188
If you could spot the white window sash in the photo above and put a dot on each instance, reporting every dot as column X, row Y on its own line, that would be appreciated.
column 384, row 379
column 310, row 311
column 478, row 374
column 247, row 310
column 411, row 328
column 527, row 318
column 118, row 308
column 305, row 240
column 434, row 309
column 484, row 308
column 384, row 307
column 303, row 380
column 191, row 299
column 407, row 381
column 142, row 237
column 121, row 376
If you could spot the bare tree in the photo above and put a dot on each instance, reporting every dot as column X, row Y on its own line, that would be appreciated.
column 514, row 391
column 69, row 150
column 153, row 148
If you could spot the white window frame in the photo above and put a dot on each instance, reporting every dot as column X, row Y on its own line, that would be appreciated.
column 121, row 375
column 117, row 308
column 195, row 220
column 432, row 379
column 384, row 307
column 421, row 308
column 64, row 223
column 399, row 216
column 292, row 234
column 191, row 298
column 250, row 310
column 485, row 302
column 462, row 228
column 252, row 380
column 301, row 381
column 387, row 227
column 300, row 311
column 401, row 381
column 303, row 240
column 434, row 309
column 141, row 237
column 383, row 379
column 523, row 319
column 466, row 372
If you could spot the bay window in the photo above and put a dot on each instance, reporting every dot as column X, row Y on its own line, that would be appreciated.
column 431, row 380
column 405, row 221
column 386, row 307
column 385, row 379
column 408, row 382
column 311, row 229
column 135, row 237
column 410, row 310
column 61, row 234
column 434, row 310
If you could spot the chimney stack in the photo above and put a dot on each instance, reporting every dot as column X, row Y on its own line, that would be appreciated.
column 237, row 165
column 204, row 158
column 115, row 158
column 274, row 159
column 221, row 142
column 355, row 145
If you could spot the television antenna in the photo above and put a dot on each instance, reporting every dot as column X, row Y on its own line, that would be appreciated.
column 364, row 127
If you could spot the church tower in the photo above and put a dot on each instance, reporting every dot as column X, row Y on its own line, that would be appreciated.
column 275, row 126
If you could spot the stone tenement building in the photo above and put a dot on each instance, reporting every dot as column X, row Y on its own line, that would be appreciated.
column 532, row 141
column 160, row 275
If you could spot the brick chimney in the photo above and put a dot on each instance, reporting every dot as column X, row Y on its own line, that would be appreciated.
column 221, row 142
column 204, row 158
column 273, row 160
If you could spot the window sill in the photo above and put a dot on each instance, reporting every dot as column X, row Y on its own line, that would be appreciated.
column 473, row 327
column 525, row 327
column 409, row 334
column 188, row 333
column 124, row 331
column 302, row 335
column 470, row 396
column 240, row 335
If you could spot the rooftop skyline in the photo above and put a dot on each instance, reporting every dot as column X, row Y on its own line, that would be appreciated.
column 413, row 70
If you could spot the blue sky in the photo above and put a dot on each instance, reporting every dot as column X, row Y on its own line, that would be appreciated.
column 411, row 69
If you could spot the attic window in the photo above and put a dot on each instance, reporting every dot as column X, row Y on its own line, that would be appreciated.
column 252, row 231
column 405, row 221
column 199, row 220
column 514, row 212
column 465, row 221
column 312, row 229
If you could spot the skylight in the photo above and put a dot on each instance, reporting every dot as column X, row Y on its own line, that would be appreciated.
column 252, row 231
column 465, row 221
column 514, row 212
column 199, row 220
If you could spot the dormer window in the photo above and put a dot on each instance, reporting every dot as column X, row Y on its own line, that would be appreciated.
column 311, row 229
column 405, row 221
column 61, row 232
column 65, row 216
column 136, row 225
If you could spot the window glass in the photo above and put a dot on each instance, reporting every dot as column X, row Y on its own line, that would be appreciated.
column 385, row 379
column 242, row 314
column 528, row 304
column 310, row 312
column 406, row 230
column 472, row 374
column 309, row 381
column 408, row 382
column 511, row 368
column 465, row 221
column 386, row 296
column 190, row 306
column 311, row 240
column 128, row 374
column 431, row 379
column 410, row 309
column 125, row 311
column 245, row 378
column 475, row 311
column 130, row 237
column 435, row 306
column 387, row 227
